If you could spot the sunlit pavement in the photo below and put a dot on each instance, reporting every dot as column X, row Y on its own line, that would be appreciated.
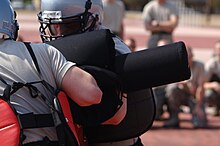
column 186, row 135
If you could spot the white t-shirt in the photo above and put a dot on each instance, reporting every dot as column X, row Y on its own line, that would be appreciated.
column 16, row 64
column 113, row 15
column 154, row 11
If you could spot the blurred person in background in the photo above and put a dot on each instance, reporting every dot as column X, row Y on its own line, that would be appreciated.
column 161, row 19
column 189, row 93
column 212, row 86
column 114, row 12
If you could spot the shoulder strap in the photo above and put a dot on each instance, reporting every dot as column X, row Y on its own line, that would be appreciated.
column 27, row 44
column 47, row 85
column 47, row 120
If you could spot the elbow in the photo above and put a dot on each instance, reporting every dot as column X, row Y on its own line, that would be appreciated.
column 93, row 97
column 147, row 26
column 96, row 96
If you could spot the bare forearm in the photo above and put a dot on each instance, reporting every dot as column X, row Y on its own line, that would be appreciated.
column 81, row 87
column 165, row 26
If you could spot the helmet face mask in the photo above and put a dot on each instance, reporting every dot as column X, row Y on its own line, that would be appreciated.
column 78, row 23
column 8, row 24
column 74, row 18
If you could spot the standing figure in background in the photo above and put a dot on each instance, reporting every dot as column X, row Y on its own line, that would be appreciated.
column 114, row 12
column 212, row 86
column 160, row 18
column 190, row 93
